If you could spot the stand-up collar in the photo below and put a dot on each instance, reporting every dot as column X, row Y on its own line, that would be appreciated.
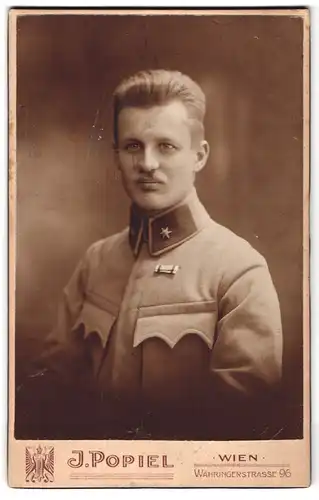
column 168, row 229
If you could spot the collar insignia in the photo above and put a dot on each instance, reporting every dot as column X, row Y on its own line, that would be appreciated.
column 168, row 229
column 165, row 232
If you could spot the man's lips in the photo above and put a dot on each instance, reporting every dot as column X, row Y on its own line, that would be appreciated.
column 149, row 184
column 148, row 181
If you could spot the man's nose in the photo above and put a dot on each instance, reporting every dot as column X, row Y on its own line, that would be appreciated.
column 148, row 160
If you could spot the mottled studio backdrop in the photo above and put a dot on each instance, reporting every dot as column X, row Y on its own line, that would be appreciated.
column 69, row 193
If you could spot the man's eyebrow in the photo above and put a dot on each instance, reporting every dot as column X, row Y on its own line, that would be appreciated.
column 131, row 139
column 169, row 139
column 163, row 138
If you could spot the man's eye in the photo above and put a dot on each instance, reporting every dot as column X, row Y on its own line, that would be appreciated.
column 166, row 147
column 132, row 147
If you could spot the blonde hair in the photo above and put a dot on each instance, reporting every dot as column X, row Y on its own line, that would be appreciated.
column 156, row 87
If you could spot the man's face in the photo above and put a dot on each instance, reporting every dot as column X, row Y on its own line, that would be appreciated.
column 156, row 155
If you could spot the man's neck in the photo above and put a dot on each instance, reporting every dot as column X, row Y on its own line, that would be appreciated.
column 191, row 195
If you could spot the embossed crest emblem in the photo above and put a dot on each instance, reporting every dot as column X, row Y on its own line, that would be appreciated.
column 39, row 464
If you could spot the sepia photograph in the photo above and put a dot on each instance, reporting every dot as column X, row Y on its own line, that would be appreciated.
column 160, row 221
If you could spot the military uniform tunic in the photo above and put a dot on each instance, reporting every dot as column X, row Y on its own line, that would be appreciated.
column 179, row 323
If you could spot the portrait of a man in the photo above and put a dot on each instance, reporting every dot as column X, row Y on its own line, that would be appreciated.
column 170, row 326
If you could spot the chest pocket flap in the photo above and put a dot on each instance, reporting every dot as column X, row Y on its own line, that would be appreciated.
column 171, row 322
column 97, row 315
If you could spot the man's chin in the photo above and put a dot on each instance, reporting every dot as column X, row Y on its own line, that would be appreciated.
column 151, row 202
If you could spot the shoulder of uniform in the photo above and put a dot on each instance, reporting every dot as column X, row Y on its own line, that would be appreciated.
column 232, row 255
column 242, row 271
column 233, row 248
column 101, row 247
column 237, row 259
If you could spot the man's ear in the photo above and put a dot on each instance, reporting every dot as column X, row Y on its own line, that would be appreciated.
column 202, row 153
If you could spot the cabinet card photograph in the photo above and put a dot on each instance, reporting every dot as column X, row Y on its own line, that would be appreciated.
column 159, row 255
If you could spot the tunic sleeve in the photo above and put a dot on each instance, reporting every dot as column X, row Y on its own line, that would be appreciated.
column 54, row 399
column 246, row 360
column 64, row 351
